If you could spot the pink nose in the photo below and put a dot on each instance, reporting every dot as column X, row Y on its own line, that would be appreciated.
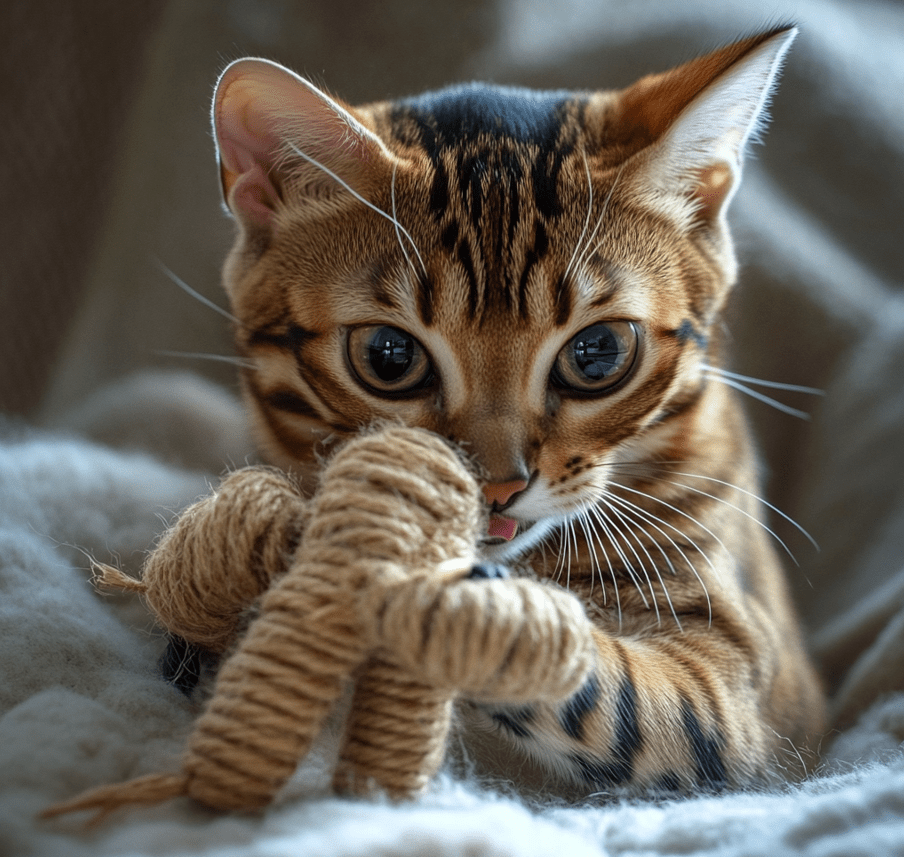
column 502, row 492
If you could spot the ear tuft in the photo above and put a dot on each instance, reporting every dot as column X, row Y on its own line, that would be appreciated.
column 273, row 128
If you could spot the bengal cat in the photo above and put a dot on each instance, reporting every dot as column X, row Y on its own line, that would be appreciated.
column 539, row 277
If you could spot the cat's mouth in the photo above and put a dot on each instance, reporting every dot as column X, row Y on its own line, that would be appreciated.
column 501, row 527
column 507, row 538
column 510, row 533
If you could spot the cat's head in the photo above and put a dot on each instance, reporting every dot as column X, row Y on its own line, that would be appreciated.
column 535, row 275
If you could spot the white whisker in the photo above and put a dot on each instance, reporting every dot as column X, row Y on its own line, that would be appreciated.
column 630, row 509
column 651, row 519
column 632, row 527
column 594, row 561
column 756, row 497
column 361, row 199
column 542, row 546
column 590, row 240
column 562, row 548
column 612, row 575
column 760, row 382
column 608, row 527
column 398, row 227
column 596, row 546
column 196, row 295
column 654, row 518
column 587, row 249
column 566, row 554
column 221, row 358
column 574, row 540
column 629, row 565
column 608, row 500
column 744, row 512
column 681, row 512
column 580, row 241
column 760, row 397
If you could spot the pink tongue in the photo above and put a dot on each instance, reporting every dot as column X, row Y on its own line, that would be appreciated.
column 502, row 527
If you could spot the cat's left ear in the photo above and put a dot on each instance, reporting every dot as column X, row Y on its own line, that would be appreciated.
column 701, row 117
column 278, row 136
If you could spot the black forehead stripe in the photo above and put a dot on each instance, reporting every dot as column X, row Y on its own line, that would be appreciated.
column 469, row 110
column 425, row 299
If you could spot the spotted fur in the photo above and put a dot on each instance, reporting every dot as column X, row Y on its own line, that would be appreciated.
column 488, row 234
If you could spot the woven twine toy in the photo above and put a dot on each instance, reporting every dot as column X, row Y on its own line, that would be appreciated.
column 373, row 580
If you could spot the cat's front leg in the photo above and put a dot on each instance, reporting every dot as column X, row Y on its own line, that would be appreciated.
column 660, row 711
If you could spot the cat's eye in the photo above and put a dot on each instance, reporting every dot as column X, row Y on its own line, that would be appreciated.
column 388, row 360
column 598, row 358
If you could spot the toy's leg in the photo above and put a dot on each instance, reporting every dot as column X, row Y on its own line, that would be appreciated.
column 507, row 641
column 273, row 694
column 269, row 701
column 447, row 633
column 396, row 733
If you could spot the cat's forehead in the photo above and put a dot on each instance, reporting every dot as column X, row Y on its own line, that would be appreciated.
column 497, row 213
column 494, row 188
column 476, row 112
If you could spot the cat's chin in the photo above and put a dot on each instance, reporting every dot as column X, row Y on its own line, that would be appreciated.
column 529, row 535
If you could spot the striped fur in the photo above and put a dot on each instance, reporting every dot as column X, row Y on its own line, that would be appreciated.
column 444, row 260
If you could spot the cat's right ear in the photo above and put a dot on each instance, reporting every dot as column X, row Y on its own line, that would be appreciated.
column 278, row 135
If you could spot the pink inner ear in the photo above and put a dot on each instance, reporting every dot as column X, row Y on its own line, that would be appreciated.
column 713, row 189
column 244, row 130
column 254, row 194
column 247, row 148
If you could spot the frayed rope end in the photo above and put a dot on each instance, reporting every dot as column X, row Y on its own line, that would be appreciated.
column 144, row 791
column 106, row 576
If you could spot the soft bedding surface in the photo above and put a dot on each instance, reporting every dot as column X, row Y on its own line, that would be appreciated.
column 83, row 704
column 820, row 303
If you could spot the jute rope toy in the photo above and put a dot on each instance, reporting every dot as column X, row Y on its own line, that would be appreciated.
column 379, row 590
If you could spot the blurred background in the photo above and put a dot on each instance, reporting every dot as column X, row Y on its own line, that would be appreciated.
column 107, row 165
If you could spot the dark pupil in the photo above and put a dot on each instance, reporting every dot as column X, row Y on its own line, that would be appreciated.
column 390, row 353
column 596, row 352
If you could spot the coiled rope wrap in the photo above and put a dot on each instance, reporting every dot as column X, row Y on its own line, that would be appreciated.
column 377, row 590
column 233, row 545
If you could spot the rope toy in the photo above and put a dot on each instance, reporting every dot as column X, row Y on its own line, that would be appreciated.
column 374, row 581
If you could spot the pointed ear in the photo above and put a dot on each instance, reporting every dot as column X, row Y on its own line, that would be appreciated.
column 269, row 125
column 700, row 118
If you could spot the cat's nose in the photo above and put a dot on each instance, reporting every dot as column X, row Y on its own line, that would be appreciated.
column 500, row 493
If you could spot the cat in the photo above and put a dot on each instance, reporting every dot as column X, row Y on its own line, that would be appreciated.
column 539, row 277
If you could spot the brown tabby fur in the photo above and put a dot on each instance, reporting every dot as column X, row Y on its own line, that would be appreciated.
column 516, row 241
